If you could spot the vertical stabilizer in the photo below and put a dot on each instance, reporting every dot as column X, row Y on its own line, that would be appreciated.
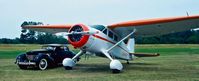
column 131, row 45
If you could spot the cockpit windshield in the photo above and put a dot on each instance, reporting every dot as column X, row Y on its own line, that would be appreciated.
column 98, row 27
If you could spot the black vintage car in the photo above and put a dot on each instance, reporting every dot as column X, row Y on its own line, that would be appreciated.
column 50, row 55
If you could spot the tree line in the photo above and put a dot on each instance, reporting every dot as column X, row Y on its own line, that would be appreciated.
column 186, row 37
column 32, row 37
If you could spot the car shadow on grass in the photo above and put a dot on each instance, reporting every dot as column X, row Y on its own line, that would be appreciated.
column 37, row 69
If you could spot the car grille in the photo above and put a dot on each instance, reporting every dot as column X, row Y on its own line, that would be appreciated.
column 30, row 57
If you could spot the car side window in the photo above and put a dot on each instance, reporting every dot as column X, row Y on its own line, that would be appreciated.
column 66, row 48
column 50, row 48
column 58, row 49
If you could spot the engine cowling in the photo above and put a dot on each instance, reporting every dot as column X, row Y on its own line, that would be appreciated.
column 78, row 40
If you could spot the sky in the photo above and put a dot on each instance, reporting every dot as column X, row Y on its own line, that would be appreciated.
column 105, row 12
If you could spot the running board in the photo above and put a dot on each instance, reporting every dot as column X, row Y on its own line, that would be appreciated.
column 145, row 54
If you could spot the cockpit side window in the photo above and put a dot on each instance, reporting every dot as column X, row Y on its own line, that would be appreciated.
column 110, row 34
column 115, row 38
column 105, row 31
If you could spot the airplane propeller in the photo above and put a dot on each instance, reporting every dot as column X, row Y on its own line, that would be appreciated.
column 80, row 33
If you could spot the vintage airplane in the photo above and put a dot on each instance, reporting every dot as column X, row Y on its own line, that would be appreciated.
column 108, row 41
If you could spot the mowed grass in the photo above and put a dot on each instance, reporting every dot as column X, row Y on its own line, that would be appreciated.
column 176, row 63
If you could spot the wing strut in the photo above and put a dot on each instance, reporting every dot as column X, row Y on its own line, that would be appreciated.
column 121, row 40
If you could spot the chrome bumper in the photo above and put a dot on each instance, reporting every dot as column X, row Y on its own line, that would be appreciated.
column 26, row 63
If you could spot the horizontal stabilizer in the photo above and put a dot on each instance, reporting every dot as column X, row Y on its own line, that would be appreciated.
column 145, row 54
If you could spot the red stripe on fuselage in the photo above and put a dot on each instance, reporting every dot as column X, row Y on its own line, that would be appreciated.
column 99, row 37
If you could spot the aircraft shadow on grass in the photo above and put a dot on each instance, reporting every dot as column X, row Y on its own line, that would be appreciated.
column 103, row 68
column 148, row 67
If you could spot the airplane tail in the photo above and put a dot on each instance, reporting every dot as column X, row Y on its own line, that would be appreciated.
column 131, row 45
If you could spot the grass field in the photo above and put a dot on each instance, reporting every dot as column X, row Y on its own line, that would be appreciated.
column 176, row 63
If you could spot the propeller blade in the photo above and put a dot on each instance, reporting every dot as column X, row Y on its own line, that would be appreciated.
column 82, row 33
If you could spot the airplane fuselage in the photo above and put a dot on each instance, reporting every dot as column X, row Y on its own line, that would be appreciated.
column 101, row 41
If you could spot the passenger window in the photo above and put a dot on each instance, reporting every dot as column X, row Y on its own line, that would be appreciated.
column 115, row 38
column 110, row 34
column 105, row 31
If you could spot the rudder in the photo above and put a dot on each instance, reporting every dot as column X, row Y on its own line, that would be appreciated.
column 131, row 45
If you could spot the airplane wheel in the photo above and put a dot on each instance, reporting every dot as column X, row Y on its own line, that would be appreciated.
column 115, row 71
column 116, row 66
column 68, row 63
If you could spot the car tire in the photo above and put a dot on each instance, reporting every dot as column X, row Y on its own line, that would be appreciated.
column 43, row 64
column 22, row 66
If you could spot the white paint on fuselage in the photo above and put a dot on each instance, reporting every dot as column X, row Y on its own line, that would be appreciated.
column 96, row 45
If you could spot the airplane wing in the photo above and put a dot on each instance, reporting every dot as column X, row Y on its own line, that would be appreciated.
column 48, row 28
column 159, row 26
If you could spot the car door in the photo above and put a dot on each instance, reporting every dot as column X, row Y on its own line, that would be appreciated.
column 62, row 53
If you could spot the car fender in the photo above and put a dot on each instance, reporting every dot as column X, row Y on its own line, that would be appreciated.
column 20, row 58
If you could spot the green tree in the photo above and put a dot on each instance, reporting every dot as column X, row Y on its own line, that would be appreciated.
column 27, row 36
column 47, row 38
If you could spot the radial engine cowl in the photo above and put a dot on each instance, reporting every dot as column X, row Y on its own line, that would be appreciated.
column 78, row 40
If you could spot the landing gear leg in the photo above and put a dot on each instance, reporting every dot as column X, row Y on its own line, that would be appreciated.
column 78, row 54
column 127, row 62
